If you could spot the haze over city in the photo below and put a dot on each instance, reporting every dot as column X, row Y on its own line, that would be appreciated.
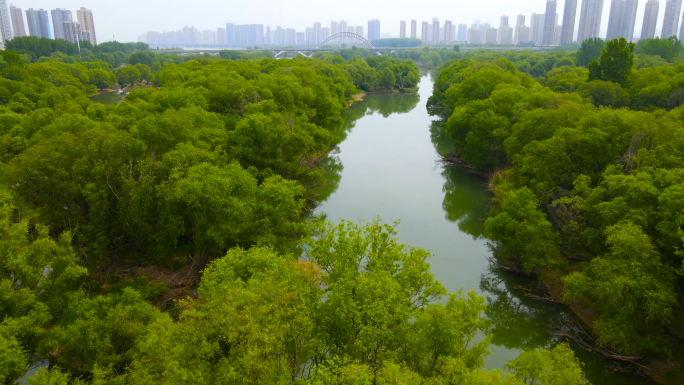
column 125, row 20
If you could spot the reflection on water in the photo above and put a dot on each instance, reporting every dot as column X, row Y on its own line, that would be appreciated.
column 387, row 166
column 465, row 202
column 383, row 104
column 516, row 320
column 520, row 323
column 107, row 97
column 443, row 145
column 332, row 167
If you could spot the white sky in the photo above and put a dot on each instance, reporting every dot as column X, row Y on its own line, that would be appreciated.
column 126, row 19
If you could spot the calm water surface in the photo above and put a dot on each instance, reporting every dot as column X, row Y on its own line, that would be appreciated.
column 388, row 166
column 107, row 97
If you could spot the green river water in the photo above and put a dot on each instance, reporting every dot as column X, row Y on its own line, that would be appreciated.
column 388, row 166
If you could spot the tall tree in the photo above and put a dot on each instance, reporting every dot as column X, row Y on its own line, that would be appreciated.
column 617, row 61
column 590, row 50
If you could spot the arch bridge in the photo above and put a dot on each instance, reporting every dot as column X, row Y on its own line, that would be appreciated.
column 346, row 35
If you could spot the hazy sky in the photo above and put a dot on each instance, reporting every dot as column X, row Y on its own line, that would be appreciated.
column 126, row 19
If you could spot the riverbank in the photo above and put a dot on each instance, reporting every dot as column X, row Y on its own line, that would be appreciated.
column 666, row 372
column 662, row 371
column 356, row 98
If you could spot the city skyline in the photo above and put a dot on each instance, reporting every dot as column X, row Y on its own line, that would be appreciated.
column 546, row 29
column 488, row 11
column 55, row 24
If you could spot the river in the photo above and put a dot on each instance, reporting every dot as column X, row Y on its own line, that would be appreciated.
column 388, row 166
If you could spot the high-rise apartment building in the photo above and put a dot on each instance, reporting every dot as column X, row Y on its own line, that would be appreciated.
column 325, row 33
column 505, row 36
column 491, row 35
column 424, row 32
column 69, row 30
column 621, row 20
column 85, row 18
column 521, row 34
column 208, row 38
column 402, row 29
column 673, row 8
column 569, row 17
column 230, row 35
column 334, row 27
column 317, row 31
column 650, row 19
column 359, row 30
column 590, row 20
column 414, row 26
column 5, row 26
column 373, row 30
column 310, row 36
column 39, row 23
column 301, row 39
column 73, row 32
column 269, row 39
column 59, row 16
column 291, row 36
column 537, row 28
column 17, row 21
column 248, row 35
column 221, row 37
column 520, row 20
column 435, row 32
column 447, row 32
column 681, row 29
column 343, row 28
column 503, row 22
column 474, row 35
column 629, row 18
column 549, row 22
column 505, row 32
column 462, row 33
column 615, row 19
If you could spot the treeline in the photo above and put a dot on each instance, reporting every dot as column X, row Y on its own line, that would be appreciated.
column 35, row 48
column 587, row 192
column 376, row 73
column 108, row 214
column 530, row 62
column 648, row 53
column 132, row 63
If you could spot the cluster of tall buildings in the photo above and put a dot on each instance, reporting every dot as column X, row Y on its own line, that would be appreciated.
column 38, row 21
column 435, row 32
column 544, row 28
column 621, row 19
column 256, row 35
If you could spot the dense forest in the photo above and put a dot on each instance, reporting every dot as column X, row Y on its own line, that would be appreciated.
column 585, row 161
column 165, row 239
